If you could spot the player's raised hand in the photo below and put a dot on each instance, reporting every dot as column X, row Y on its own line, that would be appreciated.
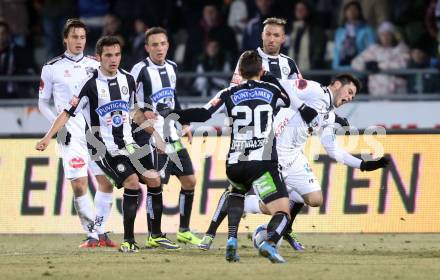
column 42, row 144
column 374, row 164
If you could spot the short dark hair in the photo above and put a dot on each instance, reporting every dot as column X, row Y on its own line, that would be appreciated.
column 347, row 78
column 154, row 30
column 277, row 21
column 250, row 64
column 5, row 25
column 73, row 23
column 106, row 41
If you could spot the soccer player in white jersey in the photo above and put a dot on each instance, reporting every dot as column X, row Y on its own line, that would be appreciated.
column 156, row 79
column 292, row 134
column 61, row 78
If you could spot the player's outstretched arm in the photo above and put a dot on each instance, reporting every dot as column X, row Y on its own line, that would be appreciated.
column 193, row 115
column 59, row 123
column 372, row 165
column 328, row 140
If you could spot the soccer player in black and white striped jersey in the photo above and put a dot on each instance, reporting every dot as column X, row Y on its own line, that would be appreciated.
column 280, row 67
column 156, row 86
column 252, row 159
column 106, row 98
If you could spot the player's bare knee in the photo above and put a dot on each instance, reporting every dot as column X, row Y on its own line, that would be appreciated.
column 188, row 182
column 131, row 182
column 79, row 186
column 104, row 184
column 278, row 205
column 151, row 178
column 314, row 200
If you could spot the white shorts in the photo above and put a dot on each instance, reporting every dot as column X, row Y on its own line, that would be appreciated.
column 76, row 159
column 298, row 176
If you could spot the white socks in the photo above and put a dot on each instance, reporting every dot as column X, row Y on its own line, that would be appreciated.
column 84, row 208
column 103, row 206
column 252, row 204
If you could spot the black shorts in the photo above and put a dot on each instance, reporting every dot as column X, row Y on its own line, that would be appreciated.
column 120, row 167
column 263, row 176
column 168, row 164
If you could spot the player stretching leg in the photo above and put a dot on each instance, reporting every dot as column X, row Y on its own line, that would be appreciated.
column 60, row 78
column 252, row 158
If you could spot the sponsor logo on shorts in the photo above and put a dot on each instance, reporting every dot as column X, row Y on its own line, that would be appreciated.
column 77, row 162
column 120, row 167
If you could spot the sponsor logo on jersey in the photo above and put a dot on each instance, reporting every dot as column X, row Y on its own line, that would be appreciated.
column 301, row 84
column 67, row 73
column 41, row 86
column 252, row 94
column 103, row 94
column 285, row 70
column 77, row 162
column 308, row 168
column 115, row 111
column 124, row 90
column 89, row 69
column 173, row 78
column 117, row 105
column 162, row 94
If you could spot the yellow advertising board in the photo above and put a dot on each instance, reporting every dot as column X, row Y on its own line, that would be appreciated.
column 35, row 197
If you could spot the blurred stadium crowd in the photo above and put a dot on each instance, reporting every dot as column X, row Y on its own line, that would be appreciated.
column 371, row 36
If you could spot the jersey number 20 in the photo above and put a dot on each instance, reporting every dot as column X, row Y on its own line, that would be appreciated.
column 250, row 123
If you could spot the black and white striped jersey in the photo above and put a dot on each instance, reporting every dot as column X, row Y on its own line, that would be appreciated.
column 251, row 107
column 281, row 66
column 105, row 103
column 157, row 84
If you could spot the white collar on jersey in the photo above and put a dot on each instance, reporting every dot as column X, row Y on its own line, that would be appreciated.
column 154, row 65
column 265, row 55
column 73, row 57
column 102, row 76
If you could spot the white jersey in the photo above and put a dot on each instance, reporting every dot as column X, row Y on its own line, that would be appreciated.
column 292, row 132
column 281, row 66
column 61, row 78
column 290, row 129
